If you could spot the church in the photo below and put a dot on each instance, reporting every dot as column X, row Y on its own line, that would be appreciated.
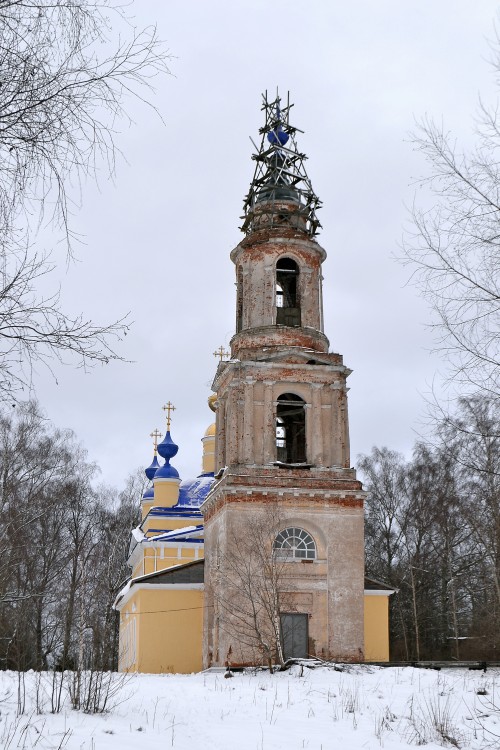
column 261, row 557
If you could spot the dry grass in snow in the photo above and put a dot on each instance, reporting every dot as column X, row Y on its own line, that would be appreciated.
column 320, row 709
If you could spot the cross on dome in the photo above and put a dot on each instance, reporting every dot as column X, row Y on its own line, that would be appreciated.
column 156, row 434
column 169, row 408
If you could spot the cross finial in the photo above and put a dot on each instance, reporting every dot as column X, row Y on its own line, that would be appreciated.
column 221, row 353
column 156, row 435
column 168, row 408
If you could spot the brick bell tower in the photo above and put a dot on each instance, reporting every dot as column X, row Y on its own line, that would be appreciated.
column 285, row 491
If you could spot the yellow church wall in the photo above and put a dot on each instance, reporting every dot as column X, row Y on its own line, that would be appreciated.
column 161, row 629
column 129, row 636
column 376, row 627
column 208, row 459
column 165, row 617
column 146, row 507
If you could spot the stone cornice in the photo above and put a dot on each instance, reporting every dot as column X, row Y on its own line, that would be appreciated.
column 320, row 374
column 298, row 500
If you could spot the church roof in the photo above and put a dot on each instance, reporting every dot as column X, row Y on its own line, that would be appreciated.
column 185, row 573
column 372, row 585
column 177, row 535
column 193, row 492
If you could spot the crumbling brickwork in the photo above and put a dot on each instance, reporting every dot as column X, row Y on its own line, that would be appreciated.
column 275, row 370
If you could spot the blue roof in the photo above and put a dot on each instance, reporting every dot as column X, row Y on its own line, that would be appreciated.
column 149, row 494
column 193, row 492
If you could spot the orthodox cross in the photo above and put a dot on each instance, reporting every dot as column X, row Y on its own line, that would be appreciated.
column 168, row 408
column 221, row 353
column 156, row 435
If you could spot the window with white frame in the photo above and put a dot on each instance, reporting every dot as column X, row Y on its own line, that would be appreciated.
column 294, row 544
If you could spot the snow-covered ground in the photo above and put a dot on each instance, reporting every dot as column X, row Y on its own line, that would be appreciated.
column 320, row 709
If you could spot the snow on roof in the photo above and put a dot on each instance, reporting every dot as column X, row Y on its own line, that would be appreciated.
column 123, row 591
column 192, row 492
column 185, row 531
column 138, row 534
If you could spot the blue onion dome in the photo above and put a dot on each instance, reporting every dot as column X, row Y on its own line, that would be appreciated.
column 150, row 473
column 167, row 472
column 277, row 136
column 167, row 450
column 152, row 468
column 149, row 494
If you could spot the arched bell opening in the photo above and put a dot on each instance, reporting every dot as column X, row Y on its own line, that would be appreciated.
column 287, row 293
column 291, row 429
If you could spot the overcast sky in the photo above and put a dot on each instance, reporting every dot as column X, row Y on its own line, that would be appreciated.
column 157, row 241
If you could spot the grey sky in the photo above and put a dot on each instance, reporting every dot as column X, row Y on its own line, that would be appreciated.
column 158, row 240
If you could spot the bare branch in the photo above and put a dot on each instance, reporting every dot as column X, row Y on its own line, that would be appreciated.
column 67, row 68
column 454, row 249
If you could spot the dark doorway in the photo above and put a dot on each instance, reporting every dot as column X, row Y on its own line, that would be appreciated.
column 290, row 429
column 287, row 298
column 295, row 636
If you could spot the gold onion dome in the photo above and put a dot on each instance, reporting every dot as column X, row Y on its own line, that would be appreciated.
column 210, row 431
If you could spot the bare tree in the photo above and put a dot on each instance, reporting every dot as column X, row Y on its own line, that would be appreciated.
column 35, row 330
column 384, row 473
column 254, row 588
column 63, row 549
column 454, row 247
column 472, row 435
column 433, row 532
column 66, row 69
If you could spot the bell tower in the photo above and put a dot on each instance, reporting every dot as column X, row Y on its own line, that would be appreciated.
column 282, row 438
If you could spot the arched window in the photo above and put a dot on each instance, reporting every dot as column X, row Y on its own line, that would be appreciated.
column 294, row 544
column 291, row 429
column 287, row 297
